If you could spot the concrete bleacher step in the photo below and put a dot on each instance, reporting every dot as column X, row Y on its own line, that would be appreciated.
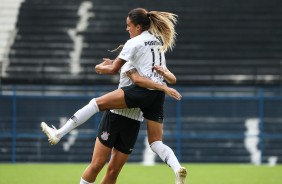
column 8, row 17
column 223, row 32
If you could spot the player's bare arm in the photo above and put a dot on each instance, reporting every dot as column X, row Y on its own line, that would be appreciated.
column 147, row 83
column 108, row 66
column 168, row 76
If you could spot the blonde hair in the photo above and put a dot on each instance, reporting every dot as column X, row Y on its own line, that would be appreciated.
column 161, row 24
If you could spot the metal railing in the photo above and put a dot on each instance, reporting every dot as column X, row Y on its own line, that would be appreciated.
column 203, row 114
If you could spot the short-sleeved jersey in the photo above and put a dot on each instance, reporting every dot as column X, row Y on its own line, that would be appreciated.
column 132, row 113
column 143, row 52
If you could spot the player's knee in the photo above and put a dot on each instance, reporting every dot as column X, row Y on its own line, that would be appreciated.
column 96, row 165
column 101, row 103
column 113, row 172
column 155, row 145
column 94, row 103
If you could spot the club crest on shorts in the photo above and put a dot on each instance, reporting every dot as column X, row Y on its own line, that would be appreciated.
column 105, row 136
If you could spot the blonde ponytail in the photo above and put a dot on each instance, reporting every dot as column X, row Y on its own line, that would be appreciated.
column 162, row 25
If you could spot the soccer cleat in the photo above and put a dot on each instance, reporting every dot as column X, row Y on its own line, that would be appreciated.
column 181, row 176
column 51, row 133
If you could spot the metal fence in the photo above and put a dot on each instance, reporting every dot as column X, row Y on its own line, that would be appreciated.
column 208, row 125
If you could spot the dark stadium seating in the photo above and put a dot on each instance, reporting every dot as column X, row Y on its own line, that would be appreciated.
column 227, row 42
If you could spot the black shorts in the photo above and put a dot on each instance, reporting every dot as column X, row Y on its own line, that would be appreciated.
column 118, row 131
column 151, row 102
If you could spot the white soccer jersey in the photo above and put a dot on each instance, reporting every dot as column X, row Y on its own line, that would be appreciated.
column 143, row 52
column 132, row 113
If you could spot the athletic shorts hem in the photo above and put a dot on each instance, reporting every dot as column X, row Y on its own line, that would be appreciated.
column 110, row 147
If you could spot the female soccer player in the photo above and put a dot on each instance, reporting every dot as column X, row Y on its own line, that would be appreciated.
column 152, row 34
column 116, row 136
column 117, row 132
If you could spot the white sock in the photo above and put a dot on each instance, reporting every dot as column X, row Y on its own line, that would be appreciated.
column 81, row 116
column 82, row 181
column 166, row 154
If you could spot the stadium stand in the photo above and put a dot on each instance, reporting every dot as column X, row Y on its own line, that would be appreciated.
column 219, row 43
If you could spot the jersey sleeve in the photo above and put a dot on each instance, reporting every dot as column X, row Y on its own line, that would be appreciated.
column 126, row 67
column 128, row 51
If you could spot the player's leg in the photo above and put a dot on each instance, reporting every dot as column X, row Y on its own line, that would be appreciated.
column 154, row 130
column 115, row 165
column 130, row 96
column 99, row 159
column 154, row 114
column 127, row 133
column 107, row 136
column 112, row 100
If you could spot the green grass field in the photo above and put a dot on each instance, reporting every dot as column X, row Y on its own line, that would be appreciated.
column 138, row 174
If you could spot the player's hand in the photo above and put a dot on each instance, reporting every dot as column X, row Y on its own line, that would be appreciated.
column 160, row 70
column 107, row 61
column 173, row 93
column 99, row 67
